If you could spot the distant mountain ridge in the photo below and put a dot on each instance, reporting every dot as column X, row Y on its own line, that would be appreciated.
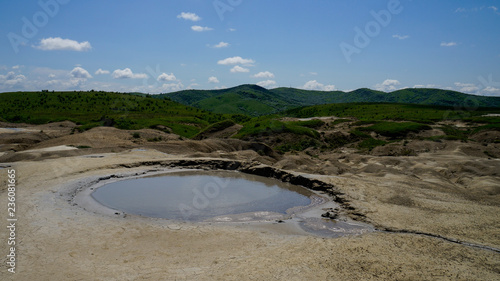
column 254, row 100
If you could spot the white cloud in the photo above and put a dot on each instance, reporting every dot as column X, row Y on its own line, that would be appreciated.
column 315, row 85
column 491, row 91
column 267, row 83
column 189, row 16
column 448, row 44
column 172, row 87
column 17, row 66
column 11, row 79
column 466, row 87
column 80, row 73
column 198, row 28
column 400, row 37
column 235, row 60
column 166, row 77
column 127, row 73
column 57, row 43
column 239, row 69
column 63, row 84
column 313, row 73
column 192, row 85
column 232, row 29
column 221, row 45
column 387, row 85
column 478, row 9
column 264, row 74
column 213, row 79
column 427, row 86
column 100, row 71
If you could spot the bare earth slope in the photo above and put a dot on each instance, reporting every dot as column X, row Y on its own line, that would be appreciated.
column 414, row 201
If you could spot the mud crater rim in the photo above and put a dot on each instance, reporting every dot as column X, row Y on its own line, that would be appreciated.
column 198, row 195
column 305, row 221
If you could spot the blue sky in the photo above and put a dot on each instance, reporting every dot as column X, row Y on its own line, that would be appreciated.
column 158, row 46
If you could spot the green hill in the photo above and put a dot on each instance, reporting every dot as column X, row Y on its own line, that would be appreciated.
column 256, row 101
column 396, row 111
column 250, row 100
column 136, row 111
column 91, row 109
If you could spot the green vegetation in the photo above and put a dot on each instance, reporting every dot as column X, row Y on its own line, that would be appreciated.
column 92, row 109
column 297, row 145
column 155, row 139
column 493, row 126
column 402, row 112
column 251, row 100
column 453, row 133
column 395, row 129
column 246, row 104
column 81, row 146
column 489, row 154
column 219, row 126
column 370, row 143
column 254, row 100
column 340, row 121
column 314, row 123
column 268, row 126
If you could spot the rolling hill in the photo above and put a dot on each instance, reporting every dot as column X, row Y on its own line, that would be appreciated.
column 254, row 100
column 91, row 109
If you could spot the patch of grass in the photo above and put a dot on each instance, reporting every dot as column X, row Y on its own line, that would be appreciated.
column 356, row 132
column 219, row 126
column 136, row 135
column 364, row 122
column 488, row 127
column 83, row 146
column 339, row 140
column 395, row 129
column 155, row 139
column 370, row 143
column 299, row 145
column 489, row 154
column 453, row 133
column 267, row 126
column 87, row 127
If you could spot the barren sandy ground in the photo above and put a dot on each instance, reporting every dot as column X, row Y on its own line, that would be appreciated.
column 448, row 193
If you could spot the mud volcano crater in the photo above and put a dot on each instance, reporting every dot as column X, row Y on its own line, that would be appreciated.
column 210, row 190
column 202, row 195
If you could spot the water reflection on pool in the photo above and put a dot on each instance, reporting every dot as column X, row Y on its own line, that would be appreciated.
column 201, row 195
